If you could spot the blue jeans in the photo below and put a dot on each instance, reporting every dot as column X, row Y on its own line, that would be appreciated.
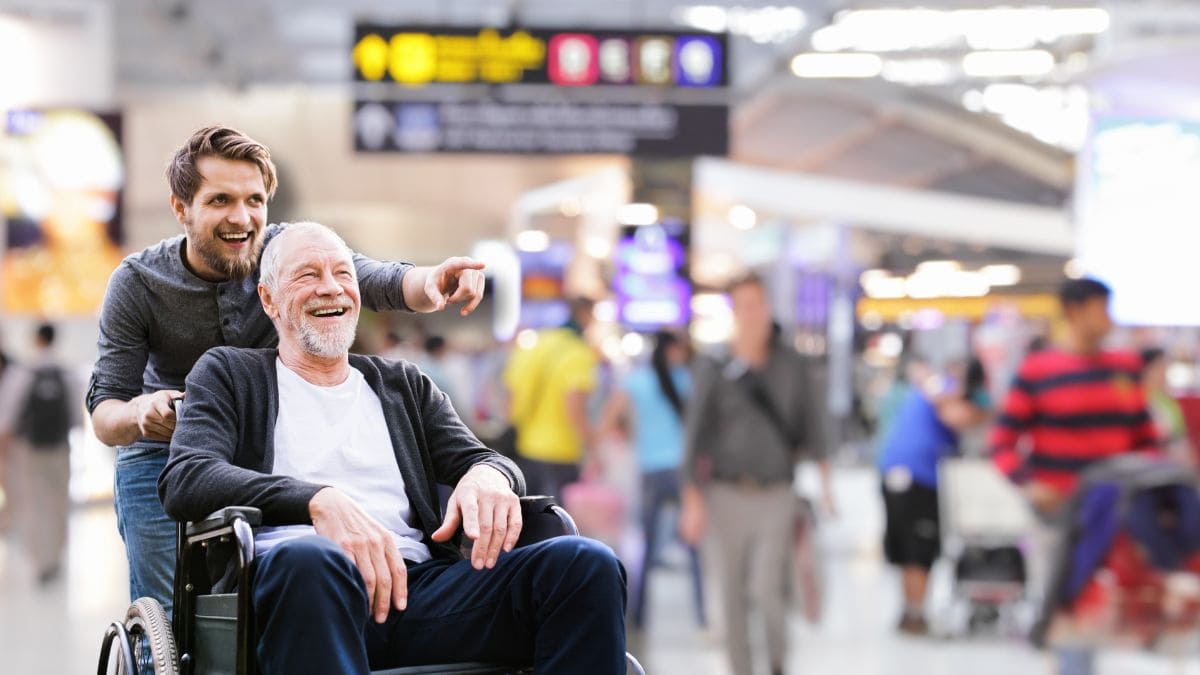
column 1076, row 660
column 559, row 604
column 660, row 488
column 148, row 533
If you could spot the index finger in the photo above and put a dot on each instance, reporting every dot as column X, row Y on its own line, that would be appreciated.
column 458, row 264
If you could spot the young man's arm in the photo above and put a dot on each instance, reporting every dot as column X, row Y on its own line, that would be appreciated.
column 390, row 286
column 120, row 412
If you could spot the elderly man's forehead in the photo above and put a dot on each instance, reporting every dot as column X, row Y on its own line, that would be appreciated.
column 312, row 242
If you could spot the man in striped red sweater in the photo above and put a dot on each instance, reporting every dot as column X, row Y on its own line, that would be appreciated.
column 1072, row 406
column 1069, row 408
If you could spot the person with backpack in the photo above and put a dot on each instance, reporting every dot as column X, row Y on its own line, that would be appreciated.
column 39, row 404
column 651, row 398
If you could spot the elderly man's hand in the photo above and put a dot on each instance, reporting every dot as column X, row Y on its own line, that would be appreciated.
column 489, row 512
column 456, row 281
column 368, row 543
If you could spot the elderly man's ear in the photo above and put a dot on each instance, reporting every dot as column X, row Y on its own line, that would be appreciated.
column 269, row 308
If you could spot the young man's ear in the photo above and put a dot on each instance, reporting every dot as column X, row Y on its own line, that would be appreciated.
column 179, row 209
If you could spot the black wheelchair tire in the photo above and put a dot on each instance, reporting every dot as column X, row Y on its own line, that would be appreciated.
column 146, row 620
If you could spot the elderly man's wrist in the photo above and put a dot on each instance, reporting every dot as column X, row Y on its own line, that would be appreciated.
column 500, row 474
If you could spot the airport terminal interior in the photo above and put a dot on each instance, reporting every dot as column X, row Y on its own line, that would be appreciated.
column 968, row 226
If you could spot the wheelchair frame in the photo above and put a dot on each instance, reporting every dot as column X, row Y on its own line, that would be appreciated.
column 206, row 617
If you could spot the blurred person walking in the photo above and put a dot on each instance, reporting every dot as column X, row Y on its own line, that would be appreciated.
column 169, row 303
column 652, row 397
column 1164, row 409
column 934, row 411
column 432, row 362
column 1071, row 406
column 549, row 385
column 751, row 417
column 39, row 404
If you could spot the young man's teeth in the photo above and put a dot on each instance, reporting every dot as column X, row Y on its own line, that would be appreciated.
column 235, row 236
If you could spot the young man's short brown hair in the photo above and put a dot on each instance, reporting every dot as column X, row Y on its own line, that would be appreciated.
column 216, row 141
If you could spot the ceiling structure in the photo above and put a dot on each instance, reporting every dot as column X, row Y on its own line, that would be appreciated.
column 940, row 137
column 874, row 131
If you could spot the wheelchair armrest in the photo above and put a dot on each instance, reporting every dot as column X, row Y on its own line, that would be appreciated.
column 224, row 518
column 543, row 518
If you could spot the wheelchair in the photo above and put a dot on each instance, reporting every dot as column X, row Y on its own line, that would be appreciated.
column 213, row 629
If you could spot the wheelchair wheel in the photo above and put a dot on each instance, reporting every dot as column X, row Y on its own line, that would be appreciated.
column 150, row 639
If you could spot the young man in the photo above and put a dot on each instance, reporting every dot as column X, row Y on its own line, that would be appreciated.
column 1075, row 405
column 748, row 421
column 342, row 453
column 168, row 304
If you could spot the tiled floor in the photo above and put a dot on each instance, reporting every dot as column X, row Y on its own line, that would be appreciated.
column 57, row 630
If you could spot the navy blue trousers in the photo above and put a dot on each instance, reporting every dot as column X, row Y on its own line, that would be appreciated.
column 558, row 604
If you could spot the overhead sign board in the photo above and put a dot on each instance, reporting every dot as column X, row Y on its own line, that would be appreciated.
column 417, row 57
column 538, row 91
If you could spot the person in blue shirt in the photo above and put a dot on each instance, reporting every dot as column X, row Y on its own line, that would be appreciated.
column 652, row 398
column 934, row 410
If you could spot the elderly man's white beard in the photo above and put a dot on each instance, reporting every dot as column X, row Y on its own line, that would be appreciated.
column 328, row 344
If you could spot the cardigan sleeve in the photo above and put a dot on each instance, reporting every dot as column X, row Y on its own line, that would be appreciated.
column 200, row 476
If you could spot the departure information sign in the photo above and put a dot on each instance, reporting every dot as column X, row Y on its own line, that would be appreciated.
column 539, row 91
column 416, row 57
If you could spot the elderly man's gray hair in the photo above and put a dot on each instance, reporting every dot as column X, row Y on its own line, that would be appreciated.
column 268, row 268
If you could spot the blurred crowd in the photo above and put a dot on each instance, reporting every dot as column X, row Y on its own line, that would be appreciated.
column 690, row 455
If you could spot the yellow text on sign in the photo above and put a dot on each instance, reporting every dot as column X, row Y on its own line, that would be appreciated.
column 415, row 59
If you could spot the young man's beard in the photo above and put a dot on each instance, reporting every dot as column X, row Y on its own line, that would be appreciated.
column 240, row 267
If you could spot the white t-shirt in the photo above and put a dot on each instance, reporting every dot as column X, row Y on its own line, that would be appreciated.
column 337, row 436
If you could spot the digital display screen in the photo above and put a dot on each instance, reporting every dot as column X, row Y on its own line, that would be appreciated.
column 651, row 284
column 543, row 298
column 1138, row 208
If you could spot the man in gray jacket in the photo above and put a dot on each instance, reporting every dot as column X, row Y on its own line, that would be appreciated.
column 342, row 453
column 168, row 304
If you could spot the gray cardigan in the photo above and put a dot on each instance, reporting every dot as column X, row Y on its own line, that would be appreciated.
column 222, row 452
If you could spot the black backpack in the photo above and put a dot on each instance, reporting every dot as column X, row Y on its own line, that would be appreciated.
column 46, row 419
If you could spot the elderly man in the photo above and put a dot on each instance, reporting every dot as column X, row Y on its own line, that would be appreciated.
column 342, row 453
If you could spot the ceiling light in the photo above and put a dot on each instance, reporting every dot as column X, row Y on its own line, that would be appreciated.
column 597, row 247
column 885, row 288
column 919, row 72
column 1028, row 63
column 605, row 311
column 1001, row 275
column 637, row 214
column 632, row 344
column 892, row 30
column 837, row 65
column 743, row 217
column 760, row 24
column 533, row 241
